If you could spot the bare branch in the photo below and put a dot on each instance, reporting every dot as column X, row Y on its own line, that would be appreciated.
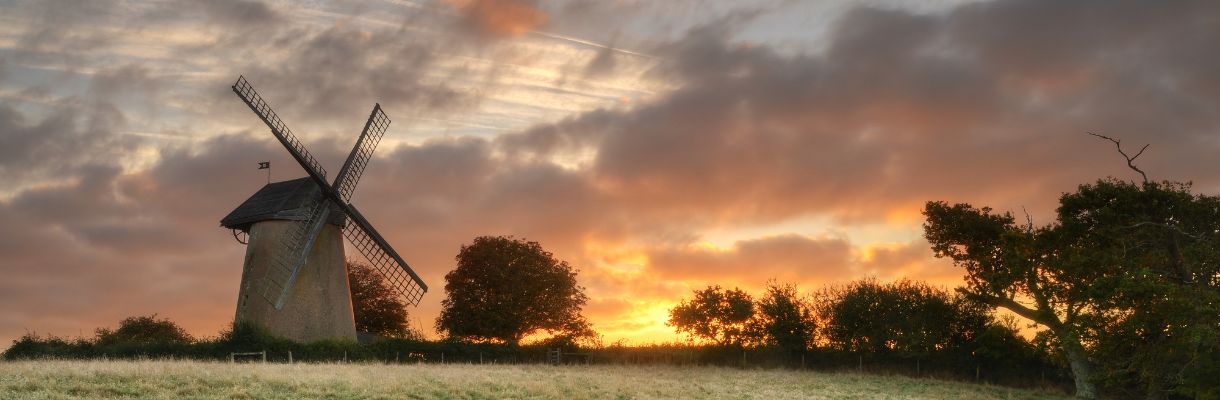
column 1130, row 159
column 1029, row 220
column 1166, row 226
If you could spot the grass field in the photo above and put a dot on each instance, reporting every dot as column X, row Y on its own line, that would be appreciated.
column 212, row 380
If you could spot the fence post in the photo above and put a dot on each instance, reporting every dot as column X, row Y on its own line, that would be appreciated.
column 802, row 360
column 345, row 356
column 396, row 357
column 442, row 357
column 290, row 356
column 480, row 357
column 860, row 365
column 231, row 360
column 743, row 357
column 264, row 356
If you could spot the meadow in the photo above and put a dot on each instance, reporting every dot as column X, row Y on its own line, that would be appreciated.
column 56, row 379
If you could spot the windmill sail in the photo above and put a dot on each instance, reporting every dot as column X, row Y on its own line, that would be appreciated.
column 247, row 94
column 353, row 168
column 360, row 233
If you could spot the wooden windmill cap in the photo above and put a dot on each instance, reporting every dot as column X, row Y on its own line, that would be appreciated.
column 286, row 200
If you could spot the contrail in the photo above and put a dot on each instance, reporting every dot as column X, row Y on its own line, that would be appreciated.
column 588, row 43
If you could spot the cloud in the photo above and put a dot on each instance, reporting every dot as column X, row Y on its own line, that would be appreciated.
column 968, row 105
column 341, row 71
column 902, row 108
column 500, row 18
column 75, row 132
column 238, row 12
column 50, row 19
column 240, row 15
column 786, row 258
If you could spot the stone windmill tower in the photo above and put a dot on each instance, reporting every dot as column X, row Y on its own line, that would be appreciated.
column 294, row 279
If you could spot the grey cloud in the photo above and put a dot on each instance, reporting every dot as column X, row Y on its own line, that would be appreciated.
column 76, row 132
column 65, row 26
column 238, row 16
column 341, row 71
column 905, row 108
column 570, row 135
column 239, row 12
column 55, row 146
column 125, row 80
column 602, row 64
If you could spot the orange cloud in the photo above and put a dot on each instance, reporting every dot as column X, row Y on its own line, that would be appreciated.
column 501, row 18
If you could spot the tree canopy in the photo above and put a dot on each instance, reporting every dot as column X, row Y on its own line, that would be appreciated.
column 376, row 307
column 1126, row 279
column 904, row 316
column 144, row 329
column 504, row 289
column 785, row 319
column 715, row 314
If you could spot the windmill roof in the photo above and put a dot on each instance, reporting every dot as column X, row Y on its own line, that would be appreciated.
column 287, row 200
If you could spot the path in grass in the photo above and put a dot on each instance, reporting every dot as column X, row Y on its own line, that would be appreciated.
column 214, row 380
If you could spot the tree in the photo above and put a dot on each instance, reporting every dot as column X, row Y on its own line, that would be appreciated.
column 785, row 319
column 904, row 317
column 376, row 307
column 1156, row 249
column 1017, row 268
column 145, row 329
column 504, row 289
column 715, row 315
column 1130, row 270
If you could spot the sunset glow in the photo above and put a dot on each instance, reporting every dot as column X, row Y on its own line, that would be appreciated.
column 657, row 146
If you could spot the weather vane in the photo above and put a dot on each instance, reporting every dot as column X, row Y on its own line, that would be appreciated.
column 267, row 166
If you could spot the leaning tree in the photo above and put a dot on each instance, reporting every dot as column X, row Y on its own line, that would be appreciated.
column 1126, row 280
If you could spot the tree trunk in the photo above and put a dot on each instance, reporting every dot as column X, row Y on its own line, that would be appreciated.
column 1082, row 370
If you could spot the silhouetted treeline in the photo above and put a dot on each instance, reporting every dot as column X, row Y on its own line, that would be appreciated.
column 890, row 343
column 903, row 327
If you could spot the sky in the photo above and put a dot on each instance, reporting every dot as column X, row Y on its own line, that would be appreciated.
column 657, row 146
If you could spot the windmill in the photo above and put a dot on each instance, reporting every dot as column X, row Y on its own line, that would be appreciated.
column 294, row 281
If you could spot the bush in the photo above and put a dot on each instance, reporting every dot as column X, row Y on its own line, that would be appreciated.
column 143, row 330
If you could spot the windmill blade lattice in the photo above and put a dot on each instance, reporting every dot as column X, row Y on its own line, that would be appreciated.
column 360, row 233
column 247, row 94
column 353, row 168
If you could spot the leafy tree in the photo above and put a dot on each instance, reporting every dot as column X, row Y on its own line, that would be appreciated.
column 504, row 289
column 1156, row 249
column 902, row 317
column 853, row 317
column 716, row 315
column 784, row 319
column 1127, row 274
column 144, row 330
column 377, row 308
column 1017, row 268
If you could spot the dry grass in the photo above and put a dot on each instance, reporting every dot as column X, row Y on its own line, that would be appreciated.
column 212, row 380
